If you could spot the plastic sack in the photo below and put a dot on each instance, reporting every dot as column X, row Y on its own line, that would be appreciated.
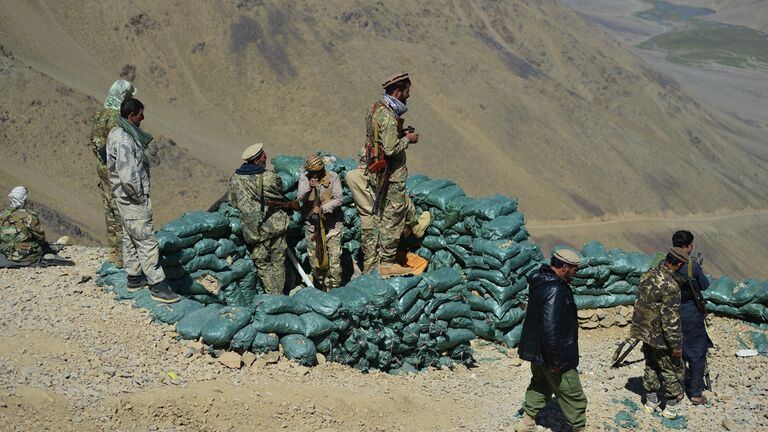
column 379, row 293
column 299, row 348
column 503, row 227
column 319, row 301
column 192, row 324
column 198, row 223
column 291, row 165
column 441, row 259
column 281, row 324
column 316, row 324
column 453, row 337
column 225, row 248
column 243, row 339
column 227, row 321
column 441, row 280
column 421, row 191
column 603, row 301
column 170, row 242
column 502, row 250
column 442, row 197
column 173, row 312
column 594, row 253
column 271, row 304
column 489, row 208
column 264, row 343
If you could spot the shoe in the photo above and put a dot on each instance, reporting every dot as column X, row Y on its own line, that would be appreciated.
column 671, row 411
column 526, row 424
column 391, row 269
column 651, row 403
column 136, row 283
column 423, row 223
column 699, row 400
column 162, row 293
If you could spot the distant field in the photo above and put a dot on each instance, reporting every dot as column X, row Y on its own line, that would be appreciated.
column 665, row 12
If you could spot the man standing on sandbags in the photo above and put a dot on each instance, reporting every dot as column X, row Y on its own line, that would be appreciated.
column 101, row 124
column 696, row 341
column 128, row 172
column 385, row 162
column 550, row 341
column 258, row 193
column 656, row 322
column 321, row 196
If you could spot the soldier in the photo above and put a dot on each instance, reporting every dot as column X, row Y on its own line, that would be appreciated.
column 258, row 193
column 656, row 322
column 22, row 239
column 321, row 194
column 101, row 124
column 128, row 172
column 696, row 341
column 550, row 341
column 385, row 162
column 363, row 195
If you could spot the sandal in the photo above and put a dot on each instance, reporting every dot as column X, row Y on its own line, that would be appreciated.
column 700, row 400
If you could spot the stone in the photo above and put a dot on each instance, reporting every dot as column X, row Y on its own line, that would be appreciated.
column 608, row 321
column 320, row 359
column 231, row 360
column 248, row 358
column 729, row 424
column 624, row 311
column 601, row 313
column 302, row 370
column 197, row 346
column 272, row 357
column 585, row 314
column 621, row 320
column 590, row 325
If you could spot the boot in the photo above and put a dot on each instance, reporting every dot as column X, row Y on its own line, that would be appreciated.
column 526, row 424
column 672, row 410
column 136, row 283
column 651, row 403
column 162, row 293
column 423, row 223
column 392, row 269
column 59, row 244
column 699, row 400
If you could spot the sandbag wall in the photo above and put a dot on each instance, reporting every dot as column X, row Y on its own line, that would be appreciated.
column 747, row 299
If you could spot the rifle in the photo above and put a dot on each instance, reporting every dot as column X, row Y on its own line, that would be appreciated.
column 383, row 181
column 619, row 356
column 321, row 250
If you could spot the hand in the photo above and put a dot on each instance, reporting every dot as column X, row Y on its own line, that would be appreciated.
column 677, row 352
column 317, row 210
column 412, row 137
column 313, row 182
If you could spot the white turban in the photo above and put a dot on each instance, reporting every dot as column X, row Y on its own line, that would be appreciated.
column 18, row 197
column 120, row 90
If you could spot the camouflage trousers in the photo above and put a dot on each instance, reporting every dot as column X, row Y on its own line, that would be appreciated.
column 111, row 217
column 330, row 277
column 141, row 252
column 661, row 363
column 269, row 258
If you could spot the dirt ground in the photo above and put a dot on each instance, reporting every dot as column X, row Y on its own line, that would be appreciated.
column 74, row 359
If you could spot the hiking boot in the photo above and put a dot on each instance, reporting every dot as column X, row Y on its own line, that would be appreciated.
column 526, row 424
column 391, row 269
column 423, row 223
column 651, row 403
column 136, row 283
column 59, row 244
column 699, row 400
column 162, row 293
column 672, row 410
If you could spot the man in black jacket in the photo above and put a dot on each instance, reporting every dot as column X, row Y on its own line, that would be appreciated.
column 550, row 341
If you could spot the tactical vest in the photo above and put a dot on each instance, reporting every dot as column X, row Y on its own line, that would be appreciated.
column 16, row 240
column 326, row 194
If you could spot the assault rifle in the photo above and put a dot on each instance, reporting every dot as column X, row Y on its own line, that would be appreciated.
column 383, row 182
column 619, row 355
column 321, row 250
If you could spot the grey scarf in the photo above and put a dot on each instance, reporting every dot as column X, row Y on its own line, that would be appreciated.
column 398, row 107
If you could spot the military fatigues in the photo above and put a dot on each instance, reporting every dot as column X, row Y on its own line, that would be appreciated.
column 128, row 172
column 21, row 237
column 363, row 194
column 331, row 196
column 264, row 227
column 656, row 322
column 101, row 124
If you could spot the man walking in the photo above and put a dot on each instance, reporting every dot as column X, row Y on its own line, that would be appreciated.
column 696, row 341
column 258, row 193
column 385, row 162
column 550, row 341
column 128, row 173
column 101, row 124
column 321, row 195
column 656, row 322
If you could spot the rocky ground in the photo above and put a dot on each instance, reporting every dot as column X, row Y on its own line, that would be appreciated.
column 73, row 358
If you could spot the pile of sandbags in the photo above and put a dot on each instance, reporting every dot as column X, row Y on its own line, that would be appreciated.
column 747, row 299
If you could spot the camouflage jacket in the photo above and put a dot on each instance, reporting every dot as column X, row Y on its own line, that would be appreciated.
column 101, row 124
column 656, row 320
column 382, row 125
column 21, row 237
column 127, row 168
column 331, row 196
column 248, row 192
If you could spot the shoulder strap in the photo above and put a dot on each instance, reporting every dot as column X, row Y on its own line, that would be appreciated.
column 690, row 268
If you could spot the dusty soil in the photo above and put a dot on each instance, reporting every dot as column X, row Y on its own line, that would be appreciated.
column 73, row 358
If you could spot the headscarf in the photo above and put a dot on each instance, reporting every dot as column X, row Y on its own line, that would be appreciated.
column 120, row 90
column 398, row 107
column 18, row 197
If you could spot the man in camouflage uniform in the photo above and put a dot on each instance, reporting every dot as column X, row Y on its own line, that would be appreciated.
column 128, row 173
column 656, row 322
column 321, row 195
column 22, row 239
column 387, row 140
column 258, row 193
column 101, row 124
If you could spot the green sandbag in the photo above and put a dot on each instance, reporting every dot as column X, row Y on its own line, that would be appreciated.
column 414, row 180
column 227, row 321
column 401, row 285
column 462, row 322
column 243, row 339
column 502, row 308
column 453, row 337
column 236, row 227
column 206, row 262
column 377, row 291
column 225, row 248
column 192, row 324
column 483, row 328
column 639, row 262
column 410, row 335
column 175, row 272
column 755, row 311
column 316, row 324
column 460, row 254
column 170, row 242
column 749, row 291
column 235, row 296
column 198, row 223
column 442, row 197
column 512, row 337
column 489, row 208
column 448, row 311
column 281, row 324
column 723, row 309
column 319, row 301
column 494, row 276
column 406, row 301
column 287, row 179
column 511, row 318
column 441, row 280
column 421, row 191
column 297, row 347
column 759, row 341
column 173, row 312
column 264, row 343
column 441, row 259
column 144, row 300
column 603, row 301
column 250, row 282
column 621, row 287
column 291, row 165
column 271, row 304
column 477, row 303
column 205, row 246
column 178, row 258
column 503, row 227
column 599, row 273
column 242, row 267
column 502, row 250
column 528, row 252
column 594, row 253
column 452, row 211
column 720, row 291
column 434, row 243
column 415, row 311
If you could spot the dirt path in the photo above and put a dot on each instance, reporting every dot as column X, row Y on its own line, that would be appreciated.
column 629, row 219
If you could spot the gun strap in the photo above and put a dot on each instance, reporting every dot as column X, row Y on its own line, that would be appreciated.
column 373, row 133
column 690, row 267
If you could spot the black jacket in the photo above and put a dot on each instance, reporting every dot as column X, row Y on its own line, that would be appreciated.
column 551, row 328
